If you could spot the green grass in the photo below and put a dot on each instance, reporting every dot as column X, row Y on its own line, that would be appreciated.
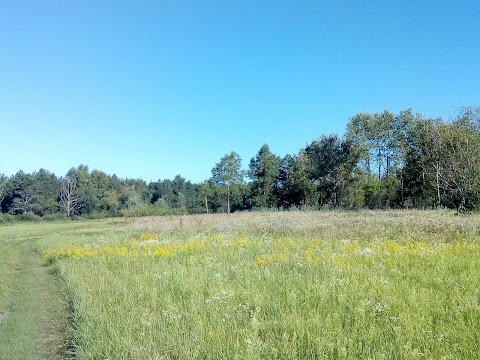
column 33, row 316
column 326, row 285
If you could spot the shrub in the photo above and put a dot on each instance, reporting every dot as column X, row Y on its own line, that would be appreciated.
column 7, row 218
column 29, row 217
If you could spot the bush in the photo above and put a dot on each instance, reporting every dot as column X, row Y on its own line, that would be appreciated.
column 7, row 218
column 29, row 217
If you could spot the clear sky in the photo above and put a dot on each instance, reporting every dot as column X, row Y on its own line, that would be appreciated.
column 151, row 89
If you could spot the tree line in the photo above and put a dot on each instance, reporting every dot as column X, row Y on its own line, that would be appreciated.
column 383, row 160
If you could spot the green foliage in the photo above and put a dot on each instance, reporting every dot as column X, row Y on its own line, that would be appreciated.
column 354, row 190
column 176, row 193
column 110, row 201
column 297, row 188
column 385, row 160
column 227, row 174
column 7, row 218
column 263, row 170
column 332, row 161
column 459, row 175
column 29, row 216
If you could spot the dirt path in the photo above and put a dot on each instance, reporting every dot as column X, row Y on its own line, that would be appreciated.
column 34, row 324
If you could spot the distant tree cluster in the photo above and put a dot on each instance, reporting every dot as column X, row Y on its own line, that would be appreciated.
column 384, row 160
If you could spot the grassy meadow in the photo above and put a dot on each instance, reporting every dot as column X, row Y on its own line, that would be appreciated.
column 287, row 285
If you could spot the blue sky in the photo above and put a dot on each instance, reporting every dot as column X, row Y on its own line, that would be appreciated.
column 151, row 89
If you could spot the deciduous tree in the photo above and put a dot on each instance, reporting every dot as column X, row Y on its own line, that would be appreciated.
column 228, row 173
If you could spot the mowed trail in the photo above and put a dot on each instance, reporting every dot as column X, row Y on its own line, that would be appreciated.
column 34, row 322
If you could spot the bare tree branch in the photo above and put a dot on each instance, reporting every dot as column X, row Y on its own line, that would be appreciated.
column 3, row 182
column 70, row 203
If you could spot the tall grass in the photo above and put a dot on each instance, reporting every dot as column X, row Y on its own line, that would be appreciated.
column 339, row 285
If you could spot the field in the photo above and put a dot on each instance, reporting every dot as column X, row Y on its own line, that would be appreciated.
column 287, row 285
